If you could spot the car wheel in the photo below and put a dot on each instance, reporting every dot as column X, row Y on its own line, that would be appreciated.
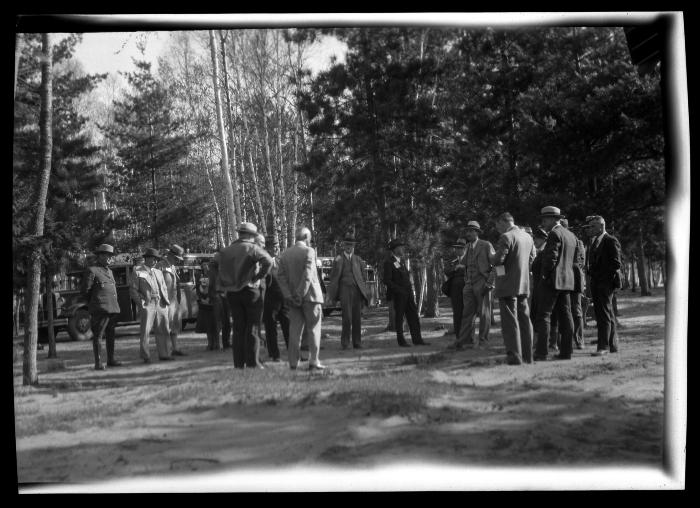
column 79, row 325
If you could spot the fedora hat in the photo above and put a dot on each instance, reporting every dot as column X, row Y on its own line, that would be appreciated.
column 460, row 242
column 349, row 238
column 247, row 227
column 472, row 224
column 151, row 252
column 551, row 211
column 396, row 243
column 176, row 251
column 105, row 247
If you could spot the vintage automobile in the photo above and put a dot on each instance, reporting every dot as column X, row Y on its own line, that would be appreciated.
column 325, row 265
column 189, row 272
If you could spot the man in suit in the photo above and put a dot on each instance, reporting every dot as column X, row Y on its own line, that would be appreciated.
column 100, row 289
column 399, row 289
column 348, row 284
column 241, row 268
column 221, row 308
column 149, row 291
column 556, row 284
column 512, row 259
column 604, row 263
column 274, row 308
column 454, row 270
column 168, row 265
column 476, row 294
column 298, row 278
column 539, row 237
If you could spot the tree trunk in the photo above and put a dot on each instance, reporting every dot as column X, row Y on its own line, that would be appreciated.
column 18, row 53
column 236, row 197
column 270, row 179
column 434, row 281
column 29, row 367
column 633, row 273
column 256, row 189
column 49, row 315
column 280, row 186
column 230, row 207
column 642, row 269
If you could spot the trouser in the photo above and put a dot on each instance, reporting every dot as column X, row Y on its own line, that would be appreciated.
column 577, row 315
column 475, row 302
column 222, row 317
column 205, row 317
column 103, row 326
column 246, row 309
column 274, row 311
column 304, row 320
column 605, row 319
column 550, row 300
column 154, row 316
column 405, row 305
column 457, row 301
column 532, row 299
column 516, row 326
column 351, row 308
column 174, row 321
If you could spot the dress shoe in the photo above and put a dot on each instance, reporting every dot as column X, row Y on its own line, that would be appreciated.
column 258, row 366
column 540, row 358
column 275, row 360
column 146, row 360
column 404, row 344
column 359, row 346
column 303, row 358
column 166, row 359
column 177, row 352
column 613, row 350
column 99, row 366
column 114, row 363
column 512, row 359
column 317, row 367
column 562, row 357
column 600, row 352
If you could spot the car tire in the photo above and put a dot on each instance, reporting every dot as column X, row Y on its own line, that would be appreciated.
column 79, row 325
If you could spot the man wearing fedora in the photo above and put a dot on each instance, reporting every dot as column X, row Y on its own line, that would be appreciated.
column 454, row 271
column 274, row 307
column 604, row 262
column 298, row 278
column 149, row 291
column 476, row 294
column 556, row 284
column 512, row 259
column 241, row 267
column 349, row 285
column 539, row 237
column 168, row 265
column 100, row 289
column 399, row 289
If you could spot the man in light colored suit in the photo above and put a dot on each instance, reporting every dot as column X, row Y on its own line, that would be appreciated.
column 149, row 291
column 168, row 265
column 348, row 284
column 478, row 283
column 301, row 289
column 512, row 259
column 557, row 281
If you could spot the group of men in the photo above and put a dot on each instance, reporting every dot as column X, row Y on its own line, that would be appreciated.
column 539, row 280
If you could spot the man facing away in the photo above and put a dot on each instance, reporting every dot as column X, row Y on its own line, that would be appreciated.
column 454, row 271
column 603, row 265
column 274, row 308
column 241, row 268
column 556, row 284
column 168, row 265
column 512, row 259
column 148, row 290
column 348, row 284
column 539, row 237
column 399, row 290
column 298, row 278
column 478, row 283
column 99, row 287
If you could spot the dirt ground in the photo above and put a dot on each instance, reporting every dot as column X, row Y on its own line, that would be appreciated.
column 382, row 418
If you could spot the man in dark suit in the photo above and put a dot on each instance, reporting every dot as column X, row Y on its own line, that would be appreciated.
column 512, row 259
column 400, row 290
column 348, row 284
column 603, row 268
column 454, row 270
column 539, row 237
column 274, row 307
column 556, row 284
column 100, row 289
